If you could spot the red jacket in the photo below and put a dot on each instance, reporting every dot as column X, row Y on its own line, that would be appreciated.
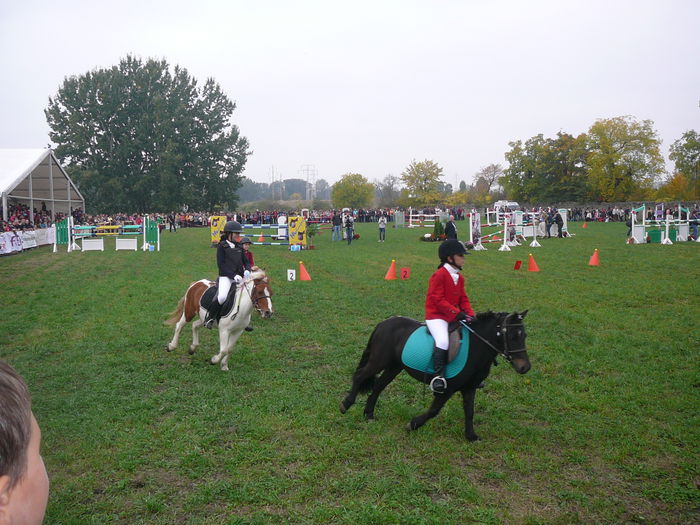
column 249, row 255
column 446, row 299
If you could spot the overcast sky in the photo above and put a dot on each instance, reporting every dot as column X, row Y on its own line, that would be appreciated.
column 366, row 87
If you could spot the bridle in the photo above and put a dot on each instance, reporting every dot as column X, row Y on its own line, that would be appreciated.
column 256, row 297
column 502, row 333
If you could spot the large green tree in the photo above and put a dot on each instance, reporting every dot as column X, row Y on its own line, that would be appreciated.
column 142, row 136
column 546, row 170
column 685, row 153
column 352, row 191
column 422, row 183
column 624, row 159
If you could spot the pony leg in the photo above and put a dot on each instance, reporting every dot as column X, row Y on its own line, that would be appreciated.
column 468, row 396
column 387, row 377
column 227, row 341
column 172, row 345
column 439, row 401
column 358, row 379
column 195, row 334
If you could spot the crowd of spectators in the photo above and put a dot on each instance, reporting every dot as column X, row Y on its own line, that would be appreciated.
column 20, row 217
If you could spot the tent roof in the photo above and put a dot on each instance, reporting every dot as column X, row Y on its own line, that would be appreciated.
column 16, row 165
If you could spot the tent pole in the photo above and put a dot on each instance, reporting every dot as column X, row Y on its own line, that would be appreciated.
column 53, row 202
column 4, row 206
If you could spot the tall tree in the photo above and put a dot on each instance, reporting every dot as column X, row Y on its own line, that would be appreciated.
column 323, row 190
column 388, row 191
column 422, row 182
column 685, row 153
column 141, row 136
column 624, row 159
column 546, row 170
column 490, row 175
column 352, row 191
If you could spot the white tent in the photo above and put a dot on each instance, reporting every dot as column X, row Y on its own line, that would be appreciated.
column 33, row 177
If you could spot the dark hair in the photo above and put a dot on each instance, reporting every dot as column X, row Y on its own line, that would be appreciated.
column 15, row 423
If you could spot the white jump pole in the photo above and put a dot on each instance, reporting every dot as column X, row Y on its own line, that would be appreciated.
column 667, row 238
column 534, row 243
column 504, row 247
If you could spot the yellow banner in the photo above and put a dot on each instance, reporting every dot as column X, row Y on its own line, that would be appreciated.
column 217, row 226
column 297, row 231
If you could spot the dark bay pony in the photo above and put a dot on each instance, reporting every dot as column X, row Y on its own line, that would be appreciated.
column 492, row 334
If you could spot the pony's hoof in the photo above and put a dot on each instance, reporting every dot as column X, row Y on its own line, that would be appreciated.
column 369, row 418
column 168, row 349
column 411, row 426
column 215, row 360
column 472, row 437
column 343, row 408
column 224, row 368
column 192, row 350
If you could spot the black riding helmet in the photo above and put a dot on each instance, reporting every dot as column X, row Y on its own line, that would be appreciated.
column 450, row 247
column 233, row 227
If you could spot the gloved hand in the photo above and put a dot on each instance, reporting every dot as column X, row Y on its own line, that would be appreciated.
column 238, row 279
column 464, row 316
column 246, row 274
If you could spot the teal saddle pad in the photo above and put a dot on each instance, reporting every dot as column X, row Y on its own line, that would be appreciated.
column 418, row 353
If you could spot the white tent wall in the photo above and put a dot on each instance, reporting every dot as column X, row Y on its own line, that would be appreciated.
column 33, row 177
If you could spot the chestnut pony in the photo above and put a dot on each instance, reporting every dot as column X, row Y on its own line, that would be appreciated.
column 255, row 293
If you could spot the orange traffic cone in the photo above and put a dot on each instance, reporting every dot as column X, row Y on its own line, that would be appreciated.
column 391, row 272
column 303, row 274
column 594, row 261
column 585, row 225
column 261, row 238
column 532, row 265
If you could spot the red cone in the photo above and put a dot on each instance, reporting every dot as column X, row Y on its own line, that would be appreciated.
column 391, row 272
column 261, row 238
column 532, row 265
column 303, row 274
column 585, row 225
column 594, row 260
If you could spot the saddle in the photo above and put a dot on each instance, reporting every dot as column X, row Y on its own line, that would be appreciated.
column 209, row 297
column 417, row 353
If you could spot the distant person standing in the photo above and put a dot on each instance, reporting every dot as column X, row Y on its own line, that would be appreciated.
column 349, row 224
column 559, row 220
column 337, row 222
column 451, row 228
column 382, row 228
column 171, row 222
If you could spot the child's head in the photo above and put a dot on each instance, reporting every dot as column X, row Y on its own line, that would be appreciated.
column 246, row 242
column 452, row 252
column 24, row 485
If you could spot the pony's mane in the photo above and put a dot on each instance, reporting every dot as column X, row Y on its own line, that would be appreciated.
column 256, row 274
column 488, row 316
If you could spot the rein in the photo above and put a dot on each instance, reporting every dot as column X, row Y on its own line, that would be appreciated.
column 501, row 330
column 257, row 299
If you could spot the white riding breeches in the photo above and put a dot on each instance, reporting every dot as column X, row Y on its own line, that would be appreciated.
column 438, row 328
column 224, row 288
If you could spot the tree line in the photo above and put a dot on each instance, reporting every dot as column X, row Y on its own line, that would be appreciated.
column 143, row 136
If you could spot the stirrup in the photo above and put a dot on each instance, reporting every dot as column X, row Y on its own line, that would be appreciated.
column 209, row 323
column 438, row 385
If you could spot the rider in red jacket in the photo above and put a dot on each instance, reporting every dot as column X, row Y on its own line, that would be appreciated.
column 446, row 302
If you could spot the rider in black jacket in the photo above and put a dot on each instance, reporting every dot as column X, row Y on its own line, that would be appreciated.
column 232, row 264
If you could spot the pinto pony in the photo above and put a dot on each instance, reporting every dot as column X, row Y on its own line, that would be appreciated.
column 491, row 334
column 255, row 293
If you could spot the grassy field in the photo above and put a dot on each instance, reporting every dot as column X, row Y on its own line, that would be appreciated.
column 603, row 429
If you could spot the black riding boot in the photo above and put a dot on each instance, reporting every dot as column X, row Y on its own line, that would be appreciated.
column 212, row 315
column 439, row 383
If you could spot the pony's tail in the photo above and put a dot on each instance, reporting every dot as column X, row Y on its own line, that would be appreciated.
column 176, row 314
column 368, row 383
